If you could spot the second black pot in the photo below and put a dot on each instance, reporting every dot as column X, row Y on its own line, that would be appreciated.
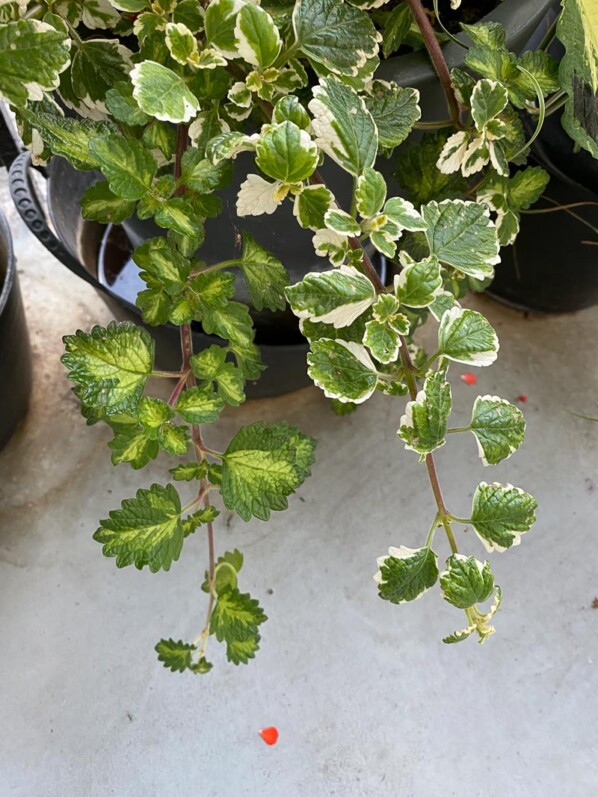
column 553, row 265
column 15, row 351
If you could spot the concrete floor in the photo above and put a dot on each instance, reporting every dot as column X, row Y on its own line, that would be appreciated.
column 367, row 699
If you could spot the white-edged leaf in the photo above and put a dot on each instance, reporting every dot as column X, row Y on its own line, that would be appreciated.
column 285, row 152
column 466, row 581
column 335, row 34
column 335, row 297
column 394, row 109
column 500, row 514
column 406, row 573
column 465, row 336
column 162, row 93
column 498, row 426
column 461, row 235
column 258, row 39
column 343, row 127
column 423, row 426
column 32, row 56
column 342, row 369
column 418, row 283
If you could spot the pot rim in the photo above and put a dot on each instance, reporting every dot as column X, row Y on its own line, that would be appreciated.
column 9, row 254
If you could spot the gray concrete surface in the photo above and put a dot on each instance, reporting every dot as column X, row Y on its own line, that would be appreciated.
column 367, row 699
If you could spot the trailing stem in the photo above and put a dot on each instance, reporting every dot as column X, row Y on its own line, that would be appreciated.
column 436, row 56
column 189, row 381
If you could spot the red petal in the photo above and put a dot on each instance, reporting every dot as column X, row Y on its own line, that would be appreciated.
column 469, row 378
column 269, row 735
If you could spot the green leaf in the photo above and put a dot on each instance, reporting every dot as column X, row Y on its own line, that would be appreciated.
column 488, row 100
column 286, row 152
column 423, row 427
column 466, row 581
column 396, row 28
column 461, row 235
column 311, row 205
column 32, row 56
column 265, row 276
column 153, row 412
column 174, row 439
column 498, row 426
column 382, row 340
column 199, row 405
column 402, row 213
column 262, row 466
column 418, row 283
column 122, row 105
column 394, row 109
column 99, row 203
column 459, row 636
column 111, row 365
column 189, row 471
column 544, row 68
column 334, row 297
column 335, row 34
column 466, row 337
column 175, row 656
column 69, row 137
column 344, row 128
column 341, row 222
column 163, row 263
column 162, row 93
column 406, row 573
column 508, row 196
column 258, row 39
column 370, row 193
column 97, row 65
column 219, row 21
column 211, row 365
column 235, row 621
column 146, row 530
column 226, row 570
column 200, row 174
column 526, row 187
column 179, row 215
column 181, row 43
column 342, row 369
column 500, row 514
column 289, row 109
column 135, row 446
column 128, row 166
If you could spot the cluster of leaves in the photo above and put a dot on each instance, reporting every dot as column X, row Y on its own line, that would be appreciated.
column 160, row 98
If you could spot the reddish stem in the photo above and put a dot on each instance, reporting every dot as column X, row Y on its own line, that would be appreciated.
column 437, row 57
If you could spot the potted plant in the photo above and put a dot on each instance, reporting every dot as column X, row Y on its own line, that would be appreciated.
column 15, row 352
column 165, row 105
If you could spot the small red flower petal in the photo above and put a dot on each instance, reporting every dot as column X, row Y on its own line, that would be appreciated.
column 269, row 735
column 469, row 378
column 522, row 398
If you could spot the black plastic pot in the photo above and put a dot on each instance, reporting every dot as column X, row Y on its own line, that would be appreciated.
column 553, row 265
column 79, row 245
column 15, row 350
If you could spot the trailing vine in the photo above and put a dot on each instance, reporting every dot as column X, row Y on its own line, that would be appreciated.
column 162, row 97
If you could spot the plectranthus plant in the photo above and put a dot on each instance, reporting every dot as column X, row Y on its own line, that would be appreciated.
column 159, row 98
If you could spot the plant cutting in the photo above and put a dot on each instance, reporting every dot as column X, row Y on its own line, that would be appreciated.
column 162, row 98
